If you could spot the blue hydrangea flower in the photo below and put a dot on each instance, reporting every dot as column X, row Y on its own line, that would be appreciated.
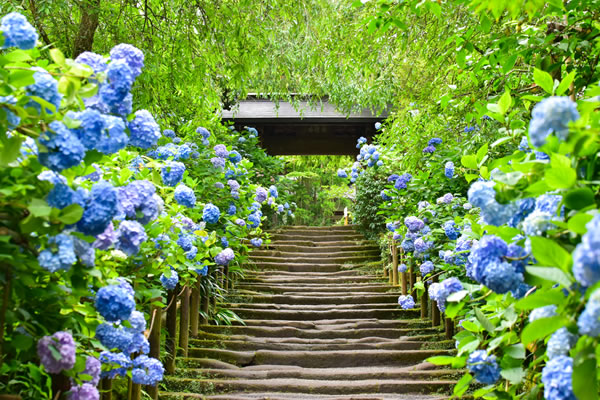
column 342, row 173
column 449, row 169
column 204, row 133
column 391, row 226
column 99, row 209
column 483, row 367
column 130, row 235
column 557, row 379
column 62, row 196
column 218, row 162
column 426, row 268
column 589, row 320
column 261, row 194
column 185, row 241
column 120, row 360
column 396, row 236
column 132, row 56
column 233, row 185
column 225, row 257
column 586, row 257
column 170, row 282
column 541, row 156
column 524, row 145
column 256, row 242
column 211, row 214
column 17, row 32
column 185, row 196
column 560, row 343
column 482, row 194
column 62, row 147
column 91, row 128
column 402, row 181
column 429, row 150
column 147, row 371
column 85, row 252
column 406, row 302
column 139, row 201
column 384, row 196
column 254, row 219
column 113, row 137
column 59, row 254
column 45, row 87
column 408, row 245
column 114, row 303
column 434, row 141
column 378, row 125
column 115, row 90
column 12, row 118
column 235, row 157
column 402, row 268
column 414, row 224
column 445, row 199
column 542, row 312
column 202, row 271
column 93, row 60
column 552, row 115
column 144, row 130
column 232, row 209
column 172, row 173
column 450, row 230
column 439, row 292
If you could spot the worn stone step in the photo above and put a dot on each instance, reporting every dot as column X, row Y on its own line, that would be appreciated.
column 320, row 299
column 330, row 254
column 321, row 274
column 334, row 374
column 293, row 396
column 324, row 245
column 322, row 260
column 318, row 359
column 246, row 345
column 312, row 247
column 323, row 237
column 267, row 331
column 318, row 288
column 286, row 279
column 344, row 323
column 296, row 228
column 315, row 307
column 322, row 314
column 301, row 386
column 299, row 267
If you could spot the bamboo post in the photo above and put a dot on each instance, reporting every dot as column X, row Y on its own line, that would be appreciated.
column 204, row 304
column 213, row 298
column 389, row 273
column 424, row 302
column 449, row 325
column 106, row 393
column 226, row 277
column 135, row 391
column 5, row 299
column 395, row 263
column 195, row 309
column 184, row 321
column 412, row 276
column 154, row 340
column 435, row 311
column 171, row 339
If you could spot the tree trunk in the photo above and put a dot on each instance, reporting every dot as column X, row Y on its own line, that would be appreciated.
column 84, row 40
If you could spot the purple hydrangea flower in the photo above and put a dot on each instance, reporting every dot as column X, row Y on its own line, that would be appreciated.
column 185, row 196
column 429, row 150
column 130, row 235
column 225, row 257
column 233, row 185
column 221, row 151
column 63, row 148
column 445, row 199
column 64, row 345
column 414, row 224
column 218, row 162
column 261, row 194
column 106, row 239
column 114, row 303
column 17, row 32
column 144, row 130
column 138, row 201
column 132, row 56
column 85, row 391
column 85, row 252
column 426, row 268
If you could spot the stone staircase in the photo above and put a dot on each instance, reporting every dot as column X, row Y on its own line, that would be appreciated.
column 317, row 326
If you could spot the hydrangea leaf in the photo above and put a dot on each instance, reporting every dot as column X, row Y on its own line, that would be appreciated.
column 10, row 150
column 484, row 321
column 462, row 385
column 21, row 78
column 565, row 83
column 39, row 208
column 584, row 377
column 549, row 253
column 541, row 298
column 543, row 80
column 579, row 198
column 513, row 375
column 70, row 214
column 551, row 274
column 578, row 223
column 561, row 175
column 540, row 328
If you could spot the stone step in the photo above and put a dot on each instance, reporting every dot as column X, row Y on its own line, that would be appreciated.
column 319, row 288
column 286, row 279
column 316, row 359
column 331, row 333
column 313, row 248
column 330, row 374
column 316, row 307
column 307, row 299
column 322, row 260
column 301, row 386
column 246, row 312
column 330, row 254
column 303, row 267
column 257, row 273
column 320, row 237
column 305, row 396
column 296, row 228
column 325, row 244
column 247, row 345
column 345, row 324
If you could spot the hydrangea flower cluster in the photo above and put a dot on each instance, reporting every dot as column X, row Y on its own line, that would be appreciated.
column 130, row 235
column 185, row 196
column 414, row 224
column 62, row 147
column 18, row 32
column 342, row 173
column 256, row 242
column 115, row 302
column 205, row 135
column 60, row 255
column 450, row 230
column 484, row 367
column 172, row 173
column 542, row 312
column 557, row 379
column 560, row 343
column 552, row 115
column 589, row 320
column 144, row 130
column 261, row 194
column 211, row 214
column 482, row 194
column 406, row 302
column 170, row 282
column 445, row 199
column 147, row 371
column 85, row 391
column 402, row 181
column 439, row 292
column 63, row 344
column 45, row 87
column 426, row 268
column 139, row 201
column 225, row 257
column 586, row 257
column 449, row 170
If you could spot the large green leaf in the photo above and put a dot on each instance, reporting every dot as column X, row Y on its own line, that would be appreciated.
column 548, row 252
column 540, row 328
column 543, row 80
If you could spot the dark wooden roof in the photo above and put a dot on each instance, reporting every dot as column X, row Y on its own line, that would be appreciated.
column 305, row 129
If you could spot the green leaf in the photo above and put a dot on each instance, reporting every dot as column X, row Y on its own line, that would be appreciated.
column 585, row 384
column 561, row 175
column 57, row 56
column 565, row 83
column 501, row 141
column 22, row 342
column 579, row 198
column 516, row 351
column 578, row 222
column 548, row 252
column 462, row 385
column 540, row 328
column 21, row 78
column 39, row 208
column 505, row 102
column 457, row 296
column 540, row 298
column 469, row 161
column 10, row 150
column 509, row 63
column 551, row 274
column 441, row 360
column 482, row 152
column 543, row 80
column 513, row 375
column 70, row 214
column 487, row 325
